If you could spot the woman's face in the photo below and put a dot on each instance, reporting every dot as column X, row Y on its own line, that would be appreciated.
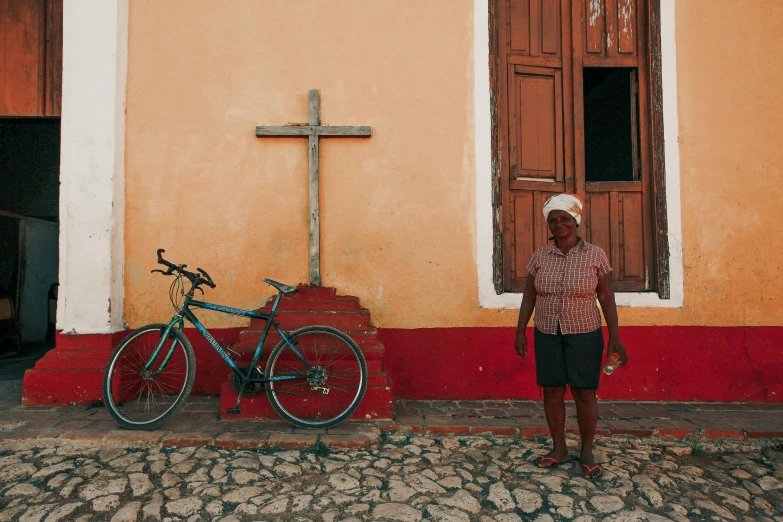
column 561, row 224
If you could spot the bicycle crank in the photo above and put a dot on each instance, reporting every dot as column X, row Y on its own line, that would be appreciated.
column 251, row 388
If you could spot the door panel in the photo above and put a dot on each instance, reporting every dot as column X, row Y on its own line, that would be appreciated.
column 534, row 27
column 530, row 232
column 21, row 50
column 536, row 123
column 609, row 29
column 614, row 221
column 31, row 47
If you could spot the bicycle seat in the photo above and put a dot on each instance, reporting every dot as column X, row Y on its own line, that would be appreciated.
column 284, row 289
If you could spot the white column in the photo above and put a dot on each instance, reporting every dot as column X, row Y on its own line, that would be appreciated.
column 92, row 157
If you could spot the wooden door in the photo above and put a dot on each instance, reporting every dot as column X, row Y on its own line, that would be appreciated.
column 30, row 57
column 540, row 134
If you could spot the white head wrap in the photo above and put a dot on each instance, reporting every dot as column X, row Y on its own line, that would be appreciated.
column 565, row 202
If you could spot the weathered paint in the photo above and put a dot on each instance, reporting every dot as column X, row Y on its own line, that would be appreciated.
column 403, row 210
column 92, row 202
column 595, row 11
column 192, row 159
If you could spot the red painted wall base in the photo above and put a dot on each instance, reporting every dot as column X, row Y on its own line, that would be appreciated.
column 677, row 363
column 72, row 372
column 667, row 363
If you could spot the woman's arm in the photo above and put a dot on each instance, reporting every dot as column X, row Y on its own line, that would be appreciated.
column 606, row 298
column 525, row 312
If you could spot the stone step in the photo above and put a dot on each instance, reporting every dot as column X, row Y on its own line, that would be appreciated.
column 250, row 337
column 371, row 352
column 314, row 292
column 340, row 302
column 340, row 319
column 316, row 306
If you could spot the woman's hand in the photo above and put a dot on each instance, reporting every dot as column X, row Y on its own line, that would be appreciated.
column 619, row 349
column 520, row 345
column 525, row 311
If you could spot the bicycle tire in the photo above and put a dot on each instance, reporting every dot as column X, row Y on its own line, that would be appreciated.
column 125, row 365
column 344, row 377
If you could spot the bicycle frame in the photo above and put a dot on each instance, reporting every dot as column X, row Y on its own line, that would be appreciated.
column 185, row 313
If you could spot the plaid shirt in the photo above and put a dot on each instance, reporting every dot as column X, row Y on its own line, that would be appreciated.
column 565, row 284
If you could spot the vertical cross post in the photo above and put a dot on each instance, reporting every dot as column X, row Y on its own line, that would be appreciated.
column 314, row 120
column 314, row 131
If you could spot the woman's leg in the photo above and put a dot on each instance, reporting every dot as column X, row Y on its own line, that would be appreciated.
column 554, row 409
column 587, row 417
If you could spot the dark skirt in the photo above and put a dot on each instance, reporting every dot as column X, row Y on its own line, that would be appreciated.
column 573, row 359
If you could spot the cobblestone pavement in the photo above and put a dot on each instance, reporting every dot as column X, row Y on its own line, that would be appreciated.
column 405, row 477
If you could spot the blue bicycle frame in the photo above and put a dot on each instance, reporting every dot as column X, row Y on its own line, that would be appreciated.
column 185, row 313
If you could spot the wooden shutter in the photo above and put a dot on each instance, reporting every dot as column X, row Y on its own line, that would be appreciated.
column 532, row 135
column 536, row 124
column 30, row 57
column 611, row 33
column 540, row 49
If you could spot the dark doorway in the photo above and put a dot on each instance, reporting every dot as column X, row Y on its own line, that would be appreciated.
column 29, row 205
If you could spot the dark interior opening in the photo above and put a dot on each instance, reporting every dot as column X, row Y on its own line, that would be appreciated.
column 610, row 124
column 29, row 208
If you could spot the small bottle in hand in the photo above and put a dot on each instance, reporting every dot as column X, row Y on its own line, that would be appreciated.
column 612, row 362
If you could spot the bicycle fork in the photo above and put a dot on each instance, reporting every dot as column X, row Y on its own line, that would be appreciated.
column 176, row 322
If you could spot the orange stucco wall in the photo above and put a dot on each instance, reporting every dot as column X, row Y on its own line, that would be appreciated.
column 398, row 210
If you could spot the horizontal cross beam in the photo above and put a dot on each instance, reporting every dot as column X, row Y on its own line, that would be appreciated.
column 312, row 130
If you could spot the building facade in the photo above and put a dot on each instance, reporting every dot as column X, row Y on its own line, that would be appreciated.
column 478, row 111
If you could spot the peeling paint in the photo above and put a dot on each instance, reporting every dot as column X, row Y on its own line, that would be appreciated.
column 626, row 18
column 595, row 11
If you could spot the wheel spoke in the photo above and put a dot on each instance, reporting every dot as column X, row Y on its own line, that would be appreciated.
column 140, row 398
column 335, row 366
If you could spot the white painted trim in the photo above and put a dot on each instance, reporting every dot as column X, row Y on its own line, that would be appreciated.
column 92, row 163
column 483, row 129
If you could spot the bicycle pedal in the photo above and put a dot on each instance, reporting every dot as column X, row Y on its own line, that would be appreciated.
column 234, row 411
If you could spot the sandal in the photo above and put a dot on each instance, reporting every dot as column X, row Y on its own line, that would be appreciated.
column 554, row 461
column 590, row 470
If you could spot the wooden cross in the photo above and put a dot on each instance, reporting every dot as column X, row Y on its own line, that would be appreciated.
column 313, row 131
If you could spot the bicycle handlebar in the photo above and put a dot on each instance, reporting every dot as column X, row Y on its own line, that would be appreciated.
column 196, row 279
column 207, row 280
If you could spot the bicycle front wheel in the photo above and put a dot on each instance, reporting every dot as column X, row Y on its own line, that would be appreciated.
column 327, row 388
column 140, row 398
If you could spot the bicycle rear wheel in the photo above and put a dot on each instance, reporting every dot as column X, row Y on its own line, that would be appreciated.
column 139, row 399
column 327, row 389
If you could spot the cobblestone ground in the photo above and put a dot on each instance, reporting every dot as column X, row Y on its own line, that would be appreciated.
column 406, row 478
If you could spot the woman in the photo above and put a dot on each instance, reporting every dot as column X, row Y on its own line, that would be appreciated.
column 565, row 278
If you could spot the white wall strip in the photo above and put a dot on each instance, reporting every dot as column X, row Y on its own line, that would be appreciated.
column 92, row 159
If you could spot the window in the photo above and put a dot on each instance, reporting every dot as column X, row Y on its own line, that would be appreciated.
column 574, row 83
column 611, row 124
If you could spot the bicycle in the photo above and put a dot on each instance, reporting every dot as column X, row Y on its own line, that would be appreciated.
column 144, row 382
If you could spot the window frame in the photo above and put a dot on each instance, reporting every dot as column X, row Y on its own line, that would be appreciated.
column 653, row 68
